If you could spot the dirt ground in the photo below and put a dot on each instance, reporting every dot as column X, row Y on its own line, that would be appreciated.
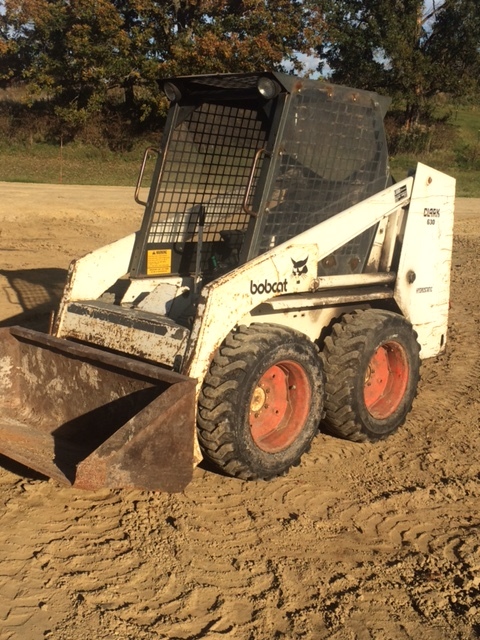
column 359, row 542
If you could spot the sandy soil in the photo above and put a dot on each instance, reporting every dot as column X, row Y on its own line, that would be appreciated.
column 359, row 542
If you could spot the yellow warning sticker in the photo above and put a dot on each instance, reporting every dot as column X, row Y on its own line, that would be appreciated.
column 159, row 262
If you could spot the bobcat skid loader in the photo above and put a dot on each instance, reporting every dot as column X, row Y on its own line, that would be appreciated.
column 280, row 283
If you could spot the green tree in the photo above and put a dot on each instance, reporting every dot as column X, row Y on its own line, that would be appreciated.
column 239, row 35
column 409, row 49
column 72, row 52
column 454, row 44
column 77, row 52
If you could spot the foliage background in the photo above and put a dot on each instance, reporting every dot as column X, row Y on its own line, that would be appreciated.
column 78, row 78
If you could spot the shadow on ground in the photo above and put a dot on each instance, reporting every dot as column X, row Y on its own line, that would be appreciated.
column 20, row 470
column 38, row 292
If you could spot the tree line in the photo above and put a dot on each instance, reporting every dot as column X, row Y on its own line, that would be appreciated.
column 91, row 58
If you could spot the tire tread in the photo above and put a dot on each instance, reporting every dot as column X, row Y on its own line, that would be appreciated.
column 341, row 354
column 218, row 397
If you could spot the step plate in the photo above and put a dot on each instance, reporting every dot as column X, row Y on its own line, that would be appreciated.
column 139, row 333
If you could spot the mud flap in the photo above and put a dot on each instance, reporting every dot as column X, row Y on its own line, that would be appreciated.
column 91, row 419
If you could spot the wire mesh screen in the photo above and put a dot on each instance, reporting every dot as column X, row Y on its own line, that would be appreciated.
column 333, row 156
column 207, row 170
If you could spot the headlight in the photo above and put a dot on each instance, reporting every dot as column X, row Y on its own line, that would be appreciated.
column 268, row 88
column 172, row 92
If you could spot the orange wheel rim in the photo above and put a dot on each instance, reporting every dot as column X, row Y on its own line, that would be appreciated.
column 279, row 406
column 386, row 380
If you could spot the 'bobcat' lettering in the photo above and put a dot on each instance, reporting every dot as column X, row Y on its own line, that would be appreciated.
column 268, row 287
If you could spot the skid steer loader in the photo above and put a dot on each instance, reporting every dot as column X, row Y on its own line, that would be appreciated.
column 280, row 281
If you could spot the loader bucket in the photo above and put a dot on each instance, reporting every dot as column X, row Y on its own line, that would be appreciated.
column 91, row 419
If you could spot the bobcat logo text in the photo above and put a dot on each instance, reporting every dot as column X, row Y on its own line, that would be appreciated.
column 268, row 287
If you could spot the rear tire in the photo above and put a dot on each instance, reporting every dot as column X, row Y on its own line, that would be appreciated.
column 372, row 366
column 261, row 402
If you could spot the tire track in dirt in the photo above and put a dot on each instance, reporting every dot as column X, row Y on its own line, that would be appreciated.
column 224, row 560
column 49, row 529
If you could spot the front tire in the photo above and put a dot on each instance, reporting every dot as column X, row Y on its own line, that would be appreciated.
column 261, row 402
column 372, row 366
